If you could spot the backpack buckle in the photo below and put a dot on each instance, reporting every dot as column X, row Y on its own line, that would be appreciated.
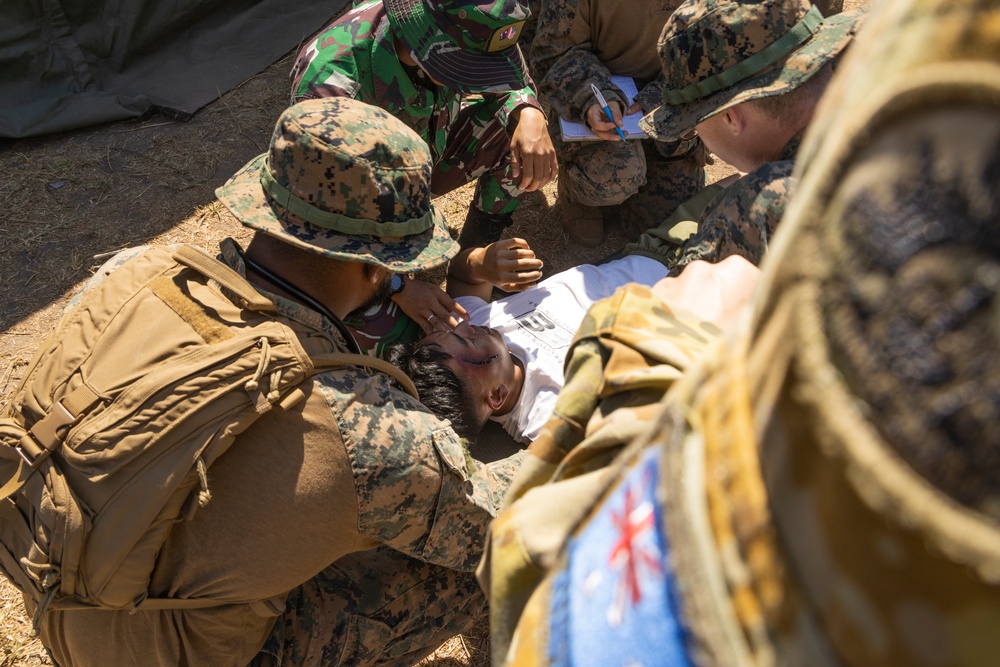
column 43, row 438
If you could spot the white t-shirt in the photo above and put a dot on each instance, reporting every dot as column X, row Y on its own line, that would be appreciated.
column 538, row 326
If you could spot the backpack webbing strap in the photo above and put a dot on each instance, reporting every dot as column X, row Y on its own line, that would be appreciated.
column 225, row 276
column 333, row 360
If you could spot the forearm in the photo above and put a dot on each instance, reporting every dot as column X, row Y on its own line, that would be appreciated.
column 465, row 275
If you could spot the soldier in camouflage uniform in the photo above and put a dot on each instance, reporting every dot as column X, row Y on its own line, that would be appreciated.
column 746, row 78
column 453, row 72
column 820, row 486
column 583, row 42
column 356, row 513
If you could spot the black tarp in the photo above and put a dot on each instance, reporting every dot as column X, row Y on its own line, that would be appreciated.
column 66, row 64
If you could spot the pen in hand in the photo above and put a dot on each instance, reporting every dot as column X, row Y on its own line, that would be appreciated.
column 607, row 109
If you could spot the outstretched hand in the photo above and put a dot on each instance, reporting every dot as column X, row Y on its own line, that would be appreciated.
column 430, row 306
column 716, row 293
column 508, row 264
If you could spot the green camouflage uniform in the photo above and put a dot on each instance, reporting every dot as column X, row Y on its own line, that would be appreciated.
column 826, row 474
column 468, row 137
column 649, row 178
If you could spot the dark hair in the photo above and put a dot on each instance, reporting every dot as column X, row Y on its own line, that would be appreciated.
column 441, row 391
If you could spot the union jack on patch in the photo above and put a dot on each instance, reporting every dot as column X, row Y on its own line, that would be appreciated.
column 508, row 33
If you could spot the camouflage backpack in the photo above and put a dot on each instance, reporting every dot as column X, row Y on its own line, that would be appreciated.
column 140, row 388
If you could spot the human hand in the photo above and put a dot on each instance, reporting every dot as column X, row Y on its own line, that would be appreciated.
column 430, row 306
column 509, row 264
column 716, row 293
column 599, row 123
column 532, row 155
column 636, row 107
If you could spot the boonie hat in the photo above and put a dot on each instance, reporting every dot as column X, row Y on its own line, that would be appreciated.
column 346, row 180
column 467, row 45
column 719, row 53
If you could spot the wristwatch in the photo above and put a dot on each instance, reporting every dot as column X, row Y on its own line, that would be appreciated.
column 396, row 284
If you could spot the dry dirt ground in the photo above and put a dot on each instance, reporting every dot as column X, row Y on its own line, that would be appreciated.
column 69, row 201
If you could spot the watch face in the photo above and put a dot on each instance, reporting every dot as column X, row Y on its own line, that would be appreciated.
column 396, row 284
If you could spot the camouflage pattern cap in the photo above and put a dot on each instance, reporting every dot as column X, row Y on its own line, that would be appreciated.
column 718, row 53
column 346, row 180
column 468, row 45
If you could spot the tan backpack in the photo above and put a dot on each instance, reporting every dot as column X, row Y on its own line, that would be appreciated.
column 107, row 440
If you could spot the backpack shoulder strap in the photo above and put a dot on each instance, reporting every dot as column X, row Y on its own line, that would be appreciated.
column 225, row 276
column 330, row 360
column 251, row 298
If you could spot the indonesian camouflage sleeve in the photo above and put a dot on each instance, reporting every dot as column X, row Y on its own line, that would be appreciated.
column 563, row 56
column 515, row 99
column 742, row 220
column 328, row 66
column 418, row 490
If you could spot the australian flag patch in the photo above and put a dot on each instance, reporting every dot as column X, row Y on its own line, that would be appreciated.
column 615, row 603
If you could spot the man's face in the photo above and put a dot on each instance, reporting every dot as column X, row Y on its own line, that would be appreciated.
column 479, row 357
column 720, row 140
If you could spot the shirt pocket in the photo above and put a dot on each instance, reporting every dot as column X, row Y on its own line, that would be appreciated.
column 465, row 507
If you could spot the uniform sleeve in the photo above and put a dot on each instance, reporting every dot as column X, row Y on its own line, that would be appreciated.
column 418, row 489
column 563, row 58
column 742, row 220
column 515, row 99
column 327, row 67
column 651, row 95
column 630, row 349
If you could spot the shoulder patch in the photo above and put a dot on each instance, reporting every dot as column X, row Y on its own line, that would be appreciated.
column 614, row 603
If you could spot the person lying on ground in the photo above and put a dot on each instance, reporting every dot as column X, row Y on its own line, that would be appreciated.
column 506, row 362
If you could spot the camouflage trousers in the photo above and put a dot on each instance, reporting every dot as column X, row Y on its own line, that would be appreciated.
column 377, row 607
column 645, row 186
column 478, row 149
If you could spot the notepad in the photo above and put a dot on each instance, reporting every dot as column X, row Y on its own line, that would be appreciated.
column 578, row 131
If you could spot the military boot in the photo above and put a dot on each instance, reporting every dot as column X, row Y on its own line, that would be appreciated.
column 584, row 224
column 481, row 228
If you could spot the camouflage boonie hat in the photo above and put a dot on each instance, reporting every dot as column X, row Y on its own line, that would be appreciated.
column 468, row 45
column 346, row 180
column 718, row 53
